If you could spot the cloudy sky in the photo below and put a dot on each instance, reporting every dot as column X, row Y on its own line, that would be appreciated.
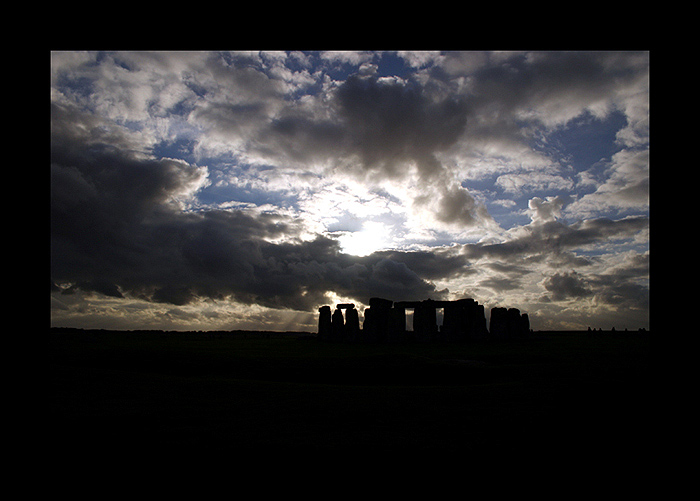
column 231, row 190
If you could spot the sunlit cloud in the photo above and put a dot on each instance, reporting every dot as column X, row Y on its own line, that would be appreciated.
column 371, row 237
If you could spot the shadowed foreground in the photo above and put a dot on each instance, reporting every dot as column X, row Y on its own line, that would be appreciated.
column 556, row 393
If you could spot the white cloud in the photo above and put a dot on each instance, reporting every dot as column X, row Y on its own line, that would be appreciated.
column 626, row 186
column 507, row 203
column 534, row 182
column 420, row 58
column 542, row 211
column 347, row 56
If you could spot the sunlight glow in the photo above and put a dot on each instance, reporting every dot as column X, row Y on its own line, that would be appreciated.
column 372, row 237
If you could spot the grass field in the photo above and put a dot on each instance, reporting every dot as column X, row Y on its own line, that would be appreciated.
column 557, row 392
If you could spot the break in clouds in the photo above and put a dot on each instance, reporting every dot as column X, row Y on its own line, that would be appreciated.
column 244, row 190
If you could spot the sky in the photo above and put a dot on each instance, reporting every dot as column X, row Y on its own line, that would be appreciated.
column 244, row 190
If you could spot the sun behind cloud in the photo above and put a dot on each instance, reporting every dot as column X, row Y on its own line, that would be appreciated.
column 373, row 236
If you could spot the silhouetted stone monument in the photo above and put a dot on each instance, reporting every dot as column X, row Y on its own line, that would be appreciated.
column 509, row 323
column 385, row 320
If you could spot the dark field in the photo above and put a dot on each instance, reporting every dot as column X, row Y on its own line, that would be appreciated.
column 563, row 394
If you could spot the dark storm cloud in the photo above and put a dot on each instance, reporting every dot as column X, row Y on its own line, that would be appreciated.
column 177, row 258
column 619, row 290
column 383, row 124
column 555, row 85
column 391, row 123
column 431, row 265
column 567, row 285
column 300, row 138
column 116, row 229
column 621, row 294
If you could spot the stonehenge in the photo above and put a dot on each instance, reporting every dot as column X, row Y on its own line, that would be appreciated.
column 335, row 327
column 509, row 323
column 385, row 321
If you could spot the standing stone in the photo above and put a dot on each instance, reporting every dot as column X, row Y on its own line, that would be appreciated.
column 369, row 326
column 480, row 331
column 376, row 326
column 337, row 326
column 513, row 323
column 397, row 324
column 499, row 322
column 525, row 325
column 454, row 323
column 425, row 321
column 352, row 324
column 324, row 322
